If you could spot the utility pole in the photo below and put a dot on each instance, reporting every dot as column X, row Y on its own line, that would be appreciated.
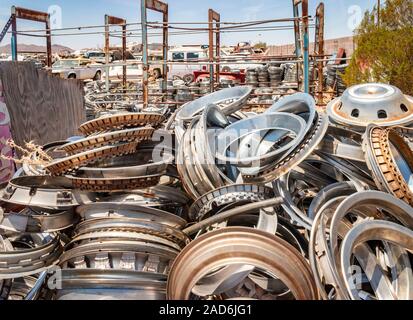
column 378, row 13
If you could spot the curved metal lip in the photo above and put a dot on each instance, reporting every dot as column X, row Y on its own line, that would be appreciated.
column 330, row 192
column 37, row 222
column 202, row 151
column 132, row 115
column 295, row 157
column 144, row 244
column 296, row 103
column 41, row 191
column 115, row 181
column 371, row 230
column 115, row 168
column 376, row 92
column 142, row 236
column 374, row 198
column 300, row 104
column 31, row 261
column 89, row 156
column 371, row 103
column 393, row 207
column 239, row 238
column 111, row 284
column 156, row 193
column 196, row 209
column 130, row 224
column 113, row 137
column 318, row 243
column 116, row 209
column 44, row 182
column 42, row 241
column 193, row 108
column 185, row 165
column 379, row 175
column 85, row 277
column 295, row 213
column 277, row 121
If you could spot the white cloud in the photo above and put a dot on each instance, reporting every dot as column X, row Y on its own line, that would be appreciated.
column 251, row 13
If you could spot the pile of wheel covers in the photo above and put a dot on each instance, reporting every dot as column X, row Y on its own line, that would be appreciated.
column 113, row 156
column 341, row 229
column 216, row 203
column 133, row 243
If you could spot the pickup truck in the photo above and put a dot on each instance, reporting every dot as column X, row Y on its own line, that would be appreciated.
column 81, row 69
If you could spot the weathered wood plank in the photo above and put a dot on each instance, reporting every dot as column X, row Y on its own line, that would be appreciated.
column 42, row 108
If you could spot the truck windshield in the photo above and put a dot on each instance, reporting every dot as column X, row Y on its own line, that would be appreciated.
column 192, row 55
column 97, row 55
column 178, row 56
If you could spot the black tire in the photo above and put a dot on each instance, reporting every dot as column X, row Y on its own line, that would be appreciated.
column 188, row 78
column 226, row 69
column 72, row 76
column 98, row 76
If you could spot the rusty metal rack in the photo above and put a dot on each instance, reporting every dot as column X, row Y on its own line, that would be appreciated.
column 110, row 21
column 301, row 31
column 215, row 26
column 32, row 15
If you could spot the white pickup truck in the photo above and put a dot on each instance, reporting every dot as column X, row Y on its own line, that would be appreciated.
column 81, row 69
column 183, row 56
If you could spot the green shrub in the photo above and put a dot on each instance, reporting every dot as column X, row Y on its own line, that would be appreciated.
column 384, row 51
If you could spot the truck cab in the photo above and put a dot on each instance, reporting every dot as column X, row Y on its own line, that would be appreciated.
column 186, row 54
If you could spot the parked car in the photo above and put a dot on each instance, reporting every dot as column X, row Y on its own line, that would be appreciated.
column 133, row 73
column 81, row 69
column 96, row 56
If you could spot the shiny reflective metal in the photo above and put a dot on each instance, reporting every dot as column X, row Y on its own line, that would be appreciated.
column 113, row 184
column 343, row 143
column 377, row 103
column 218, row 198
column 86, row 284
column 390, row 160
column 45, row 252
column 108, row 138
column 196, row 154
column 230, row 100
column 94, row 228
column 273, row 171
column 44, row 192
column 70, row 163
column 160, row 196
column 120, row 121
column 276, row 127
column 116, row 210
column 39, row 221
column 334, row 220
column 240, row 246
column 390, row 232
column 139, row 164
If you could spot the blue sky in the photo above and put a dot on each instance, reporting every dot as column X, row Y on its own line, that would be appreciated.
column 340, row 18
